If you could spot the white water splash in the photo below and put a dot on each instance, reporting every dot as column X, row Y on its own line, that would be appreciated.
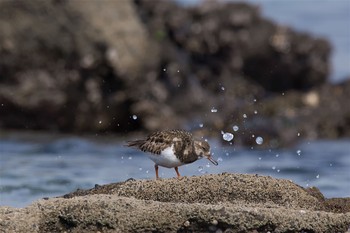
column 259, row 140
column 227, row 137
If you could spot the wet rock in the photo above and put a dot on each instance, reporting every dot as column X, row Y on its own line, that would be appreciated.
column 319, row 113
column 149, row 65
column 67, row 64
column 222, row 41
column 224, row 203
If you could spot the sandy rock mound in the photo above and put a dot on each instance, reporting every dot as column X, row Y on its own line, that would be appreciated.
column 211, row 203
column 213, row 189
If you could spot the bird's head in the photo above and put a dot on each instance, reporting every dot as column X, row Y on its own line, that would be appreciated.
column 202, row 150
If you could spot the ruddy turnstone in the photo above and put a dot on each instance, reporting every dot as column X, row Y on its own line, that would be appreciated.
column 173, row 148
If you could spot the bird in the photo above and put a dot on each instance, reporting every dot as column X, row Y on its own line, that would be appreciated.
column 173, row 148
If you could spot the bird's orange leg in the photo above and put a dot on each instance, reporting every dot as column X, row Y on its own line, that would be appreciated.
column 177, row 172
column 156, row 168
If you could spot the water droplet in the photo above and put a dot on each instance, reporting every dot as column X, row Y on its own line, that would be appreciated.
column 255, row 112
column 227, row 136
column 220, row 159
column 140, row 168
column 259, row 140
column 164, row 69
column 318, row 176
column 244, row 115
column 178, row 71
column 213, row 109
column 277, row 155
column 100, row 122
column 259, row 158
column 298, row 134
column 134, row 117
column 208, row 165
column 299, row 152
column 278, row 170
column 201, row 125
column 330, row 165
column 200, row 168
column 282, row 93
column 253, row 136
column 254, row 100
column 273, row 167
column 147, row 171
column 223, row 88
column 130, row 157
column 235, row 128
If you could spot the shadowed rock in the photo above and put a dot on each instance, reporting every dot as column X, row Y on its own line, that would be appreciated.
column 82, row 66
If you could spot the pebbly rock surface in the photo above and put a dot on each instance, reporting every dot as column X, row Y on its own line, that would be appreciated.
column 210, row 203
column 126, row 66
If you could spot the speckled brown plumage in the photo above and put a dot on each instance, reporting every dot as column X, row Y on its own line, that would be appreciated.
column 158, row 141
column 185, row 147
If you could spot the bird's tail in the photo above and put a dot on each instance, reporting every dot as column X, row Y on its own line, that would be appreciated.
column 136, row 143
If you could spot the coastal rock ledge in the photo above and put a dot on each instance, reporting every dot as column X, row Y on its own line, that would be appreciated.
column 209, row 203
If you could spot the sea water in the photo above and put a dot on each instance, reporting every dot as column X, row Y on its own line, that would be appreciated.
column 35, row 168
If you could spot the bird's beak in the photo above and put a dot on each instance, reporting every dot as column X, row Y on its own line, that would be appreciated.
column 213, row 161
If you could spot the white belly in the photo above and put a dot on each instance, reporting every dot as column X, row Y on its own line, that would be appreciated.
column 166, row 158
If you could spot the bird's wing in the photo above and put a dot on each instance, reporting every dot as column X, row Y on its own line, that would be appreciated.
column 182, row 140
column 155, row 142
column 160, row 140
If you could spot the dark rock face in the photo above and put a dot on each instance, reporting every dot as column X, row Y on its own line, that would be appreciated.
column 73, row 66
column 221, row 42
column 66, row 65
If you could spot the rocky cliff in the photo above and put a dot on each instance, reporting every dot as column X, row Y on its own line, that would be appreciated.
column 124, row 66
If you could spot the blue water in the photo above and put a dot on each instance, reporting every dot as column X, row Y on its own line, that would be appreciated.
column 39, row 168
column 329, row 19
